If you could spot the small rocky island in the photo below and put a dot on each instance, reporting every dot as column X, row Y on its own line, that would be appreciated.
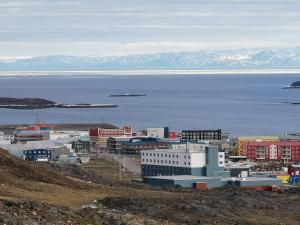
column 127, row 95
column 295, row 84
column 39, row 103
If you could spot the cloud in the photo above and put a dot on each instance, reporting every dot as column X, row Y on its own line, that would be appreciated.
column 48, row 23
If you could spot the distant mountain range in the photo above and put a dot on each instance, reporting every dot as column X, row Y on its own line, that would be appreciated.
column 266, row 58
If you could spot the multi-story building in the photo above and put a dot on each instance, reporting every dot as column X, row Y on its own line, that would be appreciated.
column 283, row 151
column 158, row 132
column 37, row 155
column 115, row 144
column 241, row 142
column 182, row 159
column 23, row 136
column 201, row 135
column 81, row 145
column 99, row 136
column 134, row 145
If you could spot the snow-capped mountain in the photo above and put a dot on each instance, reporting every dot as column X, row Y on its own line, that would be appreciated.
column 288, row 58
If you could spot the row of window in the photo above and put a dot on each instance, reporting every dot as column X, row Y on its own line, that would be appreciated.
column 166, row 155
column 35, row 152
column 164, row 161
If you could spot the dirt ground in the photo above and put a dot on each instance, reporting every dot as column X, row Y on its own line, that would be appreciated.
column 35, row 193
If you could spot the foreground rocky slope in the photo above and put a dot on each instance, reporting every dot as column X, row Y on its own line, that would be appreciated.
column 32, row 193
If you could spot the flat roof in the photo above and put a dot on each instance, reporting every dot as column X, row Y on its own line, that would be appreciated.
column 174, row 150
column 183, row 177
column 247, row 178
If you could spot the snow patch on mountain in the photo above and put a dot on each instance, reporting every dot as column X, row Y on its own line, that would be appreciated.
column 265, row 58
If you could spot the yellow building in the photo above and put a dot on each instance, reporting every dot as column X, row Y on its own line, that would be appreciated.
column 284, row 179
column 241, row 141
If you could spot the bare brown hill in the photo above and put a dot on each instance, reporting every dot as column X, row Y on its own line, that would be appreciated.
column 14, row 170
column 38, row 193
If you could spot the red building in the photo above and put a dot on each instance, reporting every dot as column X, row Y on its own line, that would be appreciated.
column 284, row 151
column 99, row 136
column 172, row 135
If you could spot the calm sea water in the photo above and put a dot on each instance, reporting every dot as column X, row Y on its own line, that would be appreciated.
column 239, row 104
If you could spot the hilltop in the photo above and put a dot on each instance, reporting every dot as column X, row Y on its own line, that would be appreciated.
column 42, row 193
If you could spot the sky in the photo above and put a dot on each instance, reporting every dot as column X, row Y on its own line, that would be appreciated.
column 121, row 27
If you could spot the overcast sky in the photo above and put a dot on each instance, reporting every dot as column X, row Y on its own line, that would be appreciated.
column 114, row 27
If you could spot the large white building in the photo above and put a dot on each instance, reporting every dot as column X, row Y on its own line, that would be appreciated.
column 181, row 159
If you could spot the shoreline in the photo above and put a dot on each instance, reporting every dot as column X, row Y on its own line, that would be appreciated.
column 62, row 126
column 4, row 74
column 40, row 103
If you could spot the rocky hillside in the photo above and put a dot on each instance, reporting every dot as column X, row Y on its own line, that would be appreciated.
column 38, row 193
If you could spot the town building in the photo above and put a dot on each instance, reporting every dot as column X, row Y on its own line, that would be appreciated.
column 125, row 145
column 241, row 142
column 282, row 151
column 137, row 144
column 99, row 136
column 6, row 138
column 23, row 136
column 115, row 144
column 201, row 135
column 158, row 132
column 82, row 144
column 38, row 155
column 182, row 159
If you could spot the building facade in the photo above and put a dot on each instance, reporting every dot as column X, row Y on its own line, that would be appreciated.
column 158, row 132
column 282, row 151
column 135, row 145
column 83, row 144
column 201, row 135
column 24, row 136
column 241, row 142
column 179, row 160
column 99, row 136
column 38, row 154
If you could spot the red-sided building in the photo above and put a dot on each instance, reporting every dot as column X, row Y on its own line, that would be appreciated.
column 284, row 151
column 100, row 136
column 172, row 135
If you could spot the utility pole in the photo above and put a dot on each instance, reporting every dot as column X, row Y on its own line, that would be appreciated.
column 124, row 162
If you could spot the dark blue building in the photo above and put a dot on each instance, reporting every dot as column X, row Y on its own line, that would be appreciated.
column 38, row 155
